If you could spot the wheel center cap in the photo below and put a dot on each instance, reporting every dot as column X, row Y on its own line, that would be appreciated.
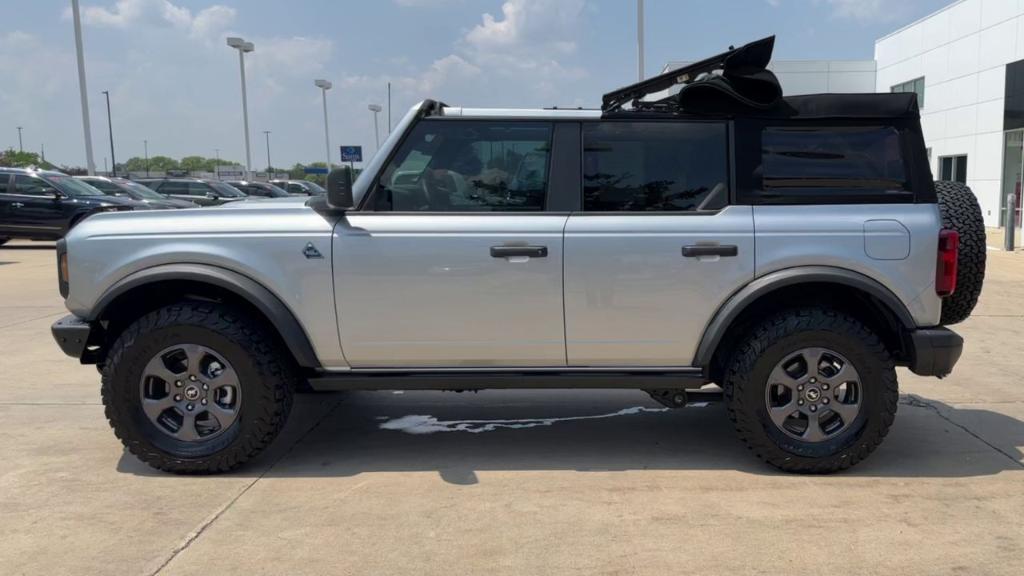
column 812, row 394
column 191, row 393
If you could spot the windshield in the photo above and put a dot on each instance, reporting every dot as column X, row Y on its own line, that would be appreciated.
column 315, row 187
column 140, row 190
column 71, row 186
column 226, row 190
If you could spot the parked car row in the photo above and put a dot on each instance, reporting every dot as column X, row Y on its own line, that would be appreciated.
column 46, row 204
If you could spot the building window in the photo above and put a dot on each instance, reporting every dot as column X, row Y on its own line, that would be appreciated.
column 953, row 168
column 916, row 86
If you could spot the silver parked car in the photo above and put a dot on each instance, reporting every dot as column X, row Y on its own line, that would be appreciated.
column 792, row 251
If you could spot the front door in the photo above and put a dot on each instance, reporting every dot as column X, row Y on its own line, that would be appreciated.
column 455, row 260
column 657, row 248
column 35, row 208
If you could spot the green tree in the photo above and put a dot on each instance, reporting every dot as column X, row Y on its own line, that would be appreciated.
column 15, row 159
column 197, row 164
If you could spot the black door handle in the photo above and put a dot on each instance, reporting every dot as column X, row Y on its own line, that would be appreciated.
column 508, row 251
column 696, row 250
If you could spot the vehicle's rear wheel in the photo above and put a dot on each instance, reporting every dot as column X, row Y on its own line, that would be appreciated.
column 197, row 388
column 961, row 211
column 811, row 390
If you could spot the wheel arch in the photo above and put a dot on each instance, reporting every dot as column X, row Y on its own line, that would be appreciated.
column 150, row 288
column 806, row 285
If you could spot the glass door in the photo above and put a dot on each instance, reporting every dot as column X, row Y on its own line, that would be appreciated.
column 1013, row 174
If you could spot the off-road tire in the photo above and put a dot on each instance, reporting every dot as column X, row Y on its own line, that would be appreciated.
column 768, row 343
column 961, row 212
column 267, row 377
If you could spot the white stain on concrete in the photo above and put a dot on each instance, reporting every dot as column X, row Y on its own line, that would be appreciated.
column 424, row 424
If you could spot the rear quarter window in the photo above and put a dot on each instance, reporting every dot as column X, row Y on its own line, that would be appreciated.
column 833, row 165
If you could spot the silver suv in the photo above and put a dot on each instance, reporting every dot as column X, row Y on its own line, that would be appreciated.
column 700, row 237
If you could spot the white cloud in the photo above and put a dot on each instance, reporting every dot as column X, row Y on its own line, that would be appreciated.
column 126, row 14
column 527, row 25
column 867, row 10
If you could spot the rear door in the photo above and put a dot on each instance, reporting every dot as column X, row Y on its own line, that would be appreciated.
column 456, row 261
column 657, row 247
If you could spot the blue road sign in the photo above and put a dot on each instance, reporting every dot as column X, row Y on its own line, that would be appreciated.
column 351, row 153
column 314, row 170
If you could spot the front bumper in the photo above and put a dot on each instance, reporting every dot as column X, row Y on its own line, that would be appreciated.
column 72, row 335
column 935, row 351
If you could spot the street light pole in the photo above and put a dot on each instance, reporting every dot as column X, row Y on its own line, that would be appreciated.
column 324, row 86
column 82, row 89
column 267, row 134
column 375, row 108
column 110, row 129
column 640, row 39
column 242, row 46
column 145, row 149
column 20, row 147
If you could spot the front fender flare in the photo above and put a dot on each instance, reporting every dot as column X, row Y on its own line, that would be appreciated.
column 734, row 306
column 282, row 318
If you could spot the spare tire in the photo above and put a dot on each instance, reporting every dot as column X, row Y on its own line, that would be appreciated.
column 961, row 212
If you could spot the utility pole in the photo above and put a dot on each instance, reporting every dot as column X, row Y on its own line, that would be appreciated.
column 110, row 129
column 324, row 86
column 90, row 165
column 145, row 148
column 640, row 39
column 20, row 147
column 267, row 134
column 389, row 108
column 243, row 47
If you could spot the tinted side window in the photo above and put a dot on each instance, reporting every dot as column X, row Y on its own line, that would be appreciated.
column 180, row 188
column 654, row 166
column 198, row 189
column 468, row 166
column 31, row 186
column 105, row 187
column 833, row 163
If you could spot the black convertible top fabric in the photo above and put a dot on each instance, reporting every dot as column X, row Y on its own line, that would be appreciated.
column 884, row 105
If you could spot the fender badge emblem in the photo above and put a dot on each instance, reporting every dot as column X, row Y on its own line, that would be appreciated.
column 310, row 251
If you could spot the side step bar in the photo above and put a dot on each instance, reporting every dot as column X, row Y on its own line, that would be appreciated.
column 479, row 379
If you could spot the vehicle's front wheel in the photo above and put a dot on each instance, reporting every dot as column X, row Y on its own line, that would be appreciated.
column 811, row 390
column 197, row 388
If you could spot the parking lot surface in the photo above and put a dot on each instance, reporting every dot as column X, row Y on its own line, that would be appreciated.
column 510, row 482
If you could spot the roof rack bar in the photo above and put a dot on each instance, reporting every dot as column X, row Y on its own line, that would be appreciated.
column 617, row 98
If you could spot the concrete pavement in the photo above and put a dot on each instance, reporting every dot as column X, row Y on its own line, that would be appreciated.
column 509, row 482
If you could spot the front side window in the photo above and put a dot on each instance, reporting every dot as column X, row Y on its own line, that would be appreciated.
column 468, row 166
column 179, row 188
column 31, row 186
column 654, row 166
column 833, row 164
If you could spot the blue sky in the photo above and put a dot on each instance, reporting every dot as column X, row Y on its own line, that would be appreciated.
column 174, row 82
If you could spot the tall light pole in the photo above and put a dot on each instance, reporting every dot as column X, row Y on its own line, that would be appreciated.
column 267, row 134
column 81, row 87
column 324, row 86
column 20, row 147
column 242, row 46
column 110, row 128
column 640, row 39
column 375, row 108
column 145, row 151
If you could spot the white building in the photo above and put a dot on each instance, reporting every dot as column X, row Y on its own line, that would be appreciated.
column 966, row 62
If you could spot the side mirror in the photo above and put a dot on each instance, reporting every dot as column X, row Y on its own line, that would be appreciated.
column 212, row 196
column 339, row 189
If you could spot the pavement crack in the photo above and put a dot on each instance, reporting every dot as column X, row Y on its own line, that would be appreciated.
column 195, row 534
column 918, row 402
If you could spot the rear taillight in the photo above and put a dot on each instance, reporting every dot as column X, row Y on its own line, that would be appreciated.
column 945, row 266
